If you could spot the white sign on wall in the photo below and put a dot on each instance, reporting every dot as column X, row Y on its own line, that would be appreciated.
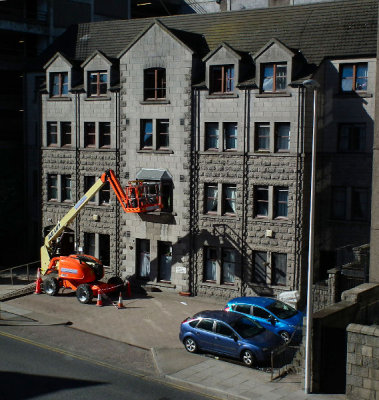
column 180, row 269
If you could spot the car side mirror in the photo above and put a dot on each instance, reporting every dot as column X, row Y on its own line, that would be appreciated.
column 272, row 319
column 235, row 337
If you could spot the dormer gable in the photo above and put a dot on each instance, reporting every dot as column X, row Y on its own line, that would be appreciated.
column 274, row 66
column 59, row 72
column 98, row 72
column 222, row 66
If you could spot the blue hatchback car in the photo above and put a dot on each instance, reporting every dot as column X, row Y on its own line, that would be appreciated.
column 272, row 314
column 228, row 334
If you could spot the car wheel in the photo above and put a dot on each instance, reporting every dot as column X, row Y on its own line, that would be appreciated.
column 248, row 358
column 51, row 286
column 84, row 293
column 190, row 345
column 285, row 336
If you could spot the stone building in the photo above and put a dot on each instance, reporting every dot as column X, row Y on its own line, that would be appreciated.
column 213, row 108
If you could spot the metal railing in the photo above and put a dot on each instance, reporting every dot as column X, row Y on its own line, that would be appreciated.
column 24, row 271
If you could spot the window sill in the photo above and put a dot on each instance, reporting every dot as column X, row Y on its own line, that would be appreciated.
column 273, row 154
column 219, row 216
column 222, row 96
column 101, row 149
column 155, row 151
column 98, row 98
column 63, row 98
column 155, row 102
column 273, row 94
column 352, row 95
column 221, row 153
column 231, row 286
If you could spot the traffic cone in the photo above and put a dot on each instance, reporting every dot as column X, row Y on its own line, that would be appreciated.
column 120, row 303
column 99, row 302
column 38, row 283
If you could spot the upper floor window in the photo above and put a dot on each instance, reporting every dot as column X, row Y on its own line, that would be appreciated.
column 66, row 134
column 89, row 181
column 211, row 136
column 221, row 78
column 350, row 203
column 261, row 201
column 230, row 135
column 262, row 136
column 354, row 77
column 146, row 134
column 58, row 84
column 282, row 136
column 279, row 269
column 66, row 188
column 211, row 194
column 103, row 197
column 220, row 265
column 104, row 134
column 228, row 199
column 154, row 136
column 97, row 83
column 154, row 84
column 352, row 137
column 59, row 187
column 52, row 187
column 89, row 134
column 274, row 77
column 52, row 133
column 163, row 141
column 281, row 202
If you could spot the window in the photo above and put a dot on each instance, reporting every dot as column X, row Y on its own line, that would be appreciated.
column 89, row 134
column 262, row 136
column 353, row 77
column 261, row 201
column 206, row 324
column 52, row 187
column 279, row 269
column 220, row 265
column 167, row 196
column 162, row 133
column 66, row 188
column 224, row 330
column 211, row 194
column 52, row 134
column 260, row 267
column 260, row 313
column 360, row 204
column 221, row 79
column 66, row 136
column 164, row 261
column 281, row 202
column 89, row 181
column 143, row 258
column 105, row 194
column 58, row 84
column 155, row 84
column 274, row 77
column 90, row 244
column 243, row 308
column 229, row 199
column 352, row 137
column 104, row 134
column 146, row 134
column 211, row 136
column 282, row 136
column 104, row 249
column 210, row 267
column 230, row 135
column 228, row 266
column 97, row 83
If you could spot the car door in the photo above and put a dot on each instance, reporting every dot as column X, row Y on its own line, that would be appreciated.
column 226, row 340
column 204, row 334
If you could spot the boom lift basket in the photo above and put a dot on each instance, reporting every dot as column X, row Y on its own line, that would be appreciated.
column 142, row 197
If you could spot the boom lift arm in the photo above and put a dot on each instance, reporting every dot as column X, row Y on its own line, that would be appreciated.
column 126, row 199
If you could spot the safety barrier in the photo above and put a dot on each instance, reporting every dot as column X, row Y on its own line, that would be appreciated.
column 24, row 272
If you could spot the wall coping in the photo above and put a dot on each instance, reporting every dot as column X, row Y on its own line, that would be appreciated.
column 372, row 330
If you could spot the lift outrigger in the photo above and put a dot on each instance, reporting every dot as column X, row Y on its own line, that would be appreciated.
column 81, row 272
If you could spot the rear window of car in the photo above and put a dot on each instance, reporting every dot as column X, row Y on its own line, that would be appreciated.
column 206, row 324
column 193, row 323
column 282, row 310
column 243, row 308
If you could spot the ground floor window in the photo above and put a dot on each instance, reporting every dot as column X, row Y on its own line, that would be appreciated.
column 164, row 261
column 269, row 268
column 143, row 258
column 98, row 245
column 220, row 265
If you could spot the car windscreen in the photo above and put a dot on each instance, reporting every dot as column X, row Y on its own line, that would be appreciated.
column 246, row 327
column 281, row 310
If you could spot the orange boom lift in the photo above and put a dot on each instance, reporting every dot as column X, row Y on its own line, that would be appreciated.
column 81, row 272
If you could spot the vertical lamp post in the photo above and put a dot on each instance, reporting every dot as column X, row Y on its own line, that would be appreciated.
column 311, row 85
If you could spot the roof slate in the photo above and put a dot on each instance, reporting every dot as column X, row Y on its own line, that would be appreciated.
column 322, row 30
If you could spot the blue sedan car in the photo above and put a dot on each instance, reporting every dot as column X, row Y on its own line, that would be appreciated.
column 272, row 314
column 228, row 334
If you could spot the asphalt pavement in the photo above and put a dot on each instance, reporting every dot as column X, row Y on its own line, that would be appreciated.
column 151, row 321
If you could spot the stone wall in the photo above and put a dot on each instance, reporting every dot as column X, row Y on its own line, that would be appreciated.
column 362, row 371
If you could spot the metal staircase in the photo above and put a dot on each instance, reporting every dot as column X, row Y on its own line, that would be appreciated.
column 194, row 4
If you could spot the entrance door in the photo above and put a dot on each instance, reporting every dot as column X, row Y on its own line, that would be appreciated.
column 164, row 261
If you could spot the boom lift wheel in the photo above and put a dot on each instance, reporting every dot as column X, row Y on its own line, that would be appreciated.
column 84, row 293
column 51, row 286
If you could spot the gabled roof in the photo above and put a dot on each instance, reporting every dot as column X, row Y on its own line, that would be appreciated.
column 57, row 55
column 321, row 30
column 93, row 55
column 225, row 46
column 141, row 34
column 269, row 44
